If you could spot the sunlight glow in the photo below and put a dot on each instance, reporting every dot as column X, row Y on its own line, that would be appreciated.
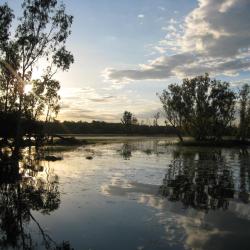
column 27, row 88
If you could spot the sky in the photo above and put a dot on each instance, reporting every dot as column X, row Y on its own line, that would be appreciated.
column 126, row 51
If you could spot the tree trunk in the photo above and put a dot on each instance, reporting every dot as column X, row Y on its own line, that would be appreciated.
column 178, row 133
column 180, row 137
column 6, row 97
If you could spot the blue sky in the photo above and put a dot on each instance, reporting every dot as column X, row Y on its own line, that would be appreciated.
column 127, row 50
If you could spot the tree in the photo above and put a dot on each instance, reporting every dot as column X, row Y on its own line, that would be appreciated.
column 40, row 35
column 134, row 120
column 127, row 118
column 172, row 104
column 201, row 107
column 8, row 79
column 42, row 100
column 222, row 103
column 156, row 118
column 244, row 101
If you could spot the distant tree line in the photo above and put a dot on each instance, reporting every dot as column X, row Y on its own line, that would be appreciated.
column 206, row 108
column 99, row 127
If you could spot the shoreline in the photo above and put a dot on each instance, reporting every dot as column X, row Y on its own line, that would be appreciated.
column 81, row 140
column 172, row 140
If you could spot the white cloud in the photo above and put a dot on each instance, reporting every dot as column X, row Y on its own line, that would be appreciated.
column 161, row 8
column 89, row 104
column 161, row 68
column 141, row 16
column 213, row 38
column 221, row 27
column 160, row 49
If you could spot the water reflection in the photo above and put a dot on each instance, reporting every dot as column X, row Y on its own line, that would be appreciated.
column 203, row 199
column 26, row 186
column 154, row 147
column 126, row 151
column 204, row 181
column 160, row 197
column 244, row 176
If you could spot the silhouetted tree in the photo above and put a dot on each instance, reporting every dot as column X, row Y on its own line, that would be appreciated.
column 200, row 106
column 134, row 120
column 244, row 100
column 127, row 118
column 172, row 105
column 156, row 118
column 41, row 34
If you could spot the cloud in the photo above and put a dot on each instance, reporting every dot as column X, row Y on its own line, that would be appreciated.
column 161, row 8
column 103, row 99
column 141, row 16
column 187, row 227
column 218, row 28
column 87, row 116
column 85, row 104
column 161, row 68
column 88, row 104
column 213, row 38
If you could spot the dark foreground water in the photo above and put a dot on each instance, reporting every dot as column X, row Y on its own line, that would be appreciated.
column 134, row 195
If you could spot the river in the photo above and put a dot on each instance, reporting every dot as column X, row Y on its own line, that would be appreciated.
column 135, row 194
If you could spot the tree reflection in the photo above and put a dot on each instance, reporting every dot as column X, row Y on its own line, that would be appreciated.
column 244, row 176
column 26, row 186
column 199, row 180
column 146, row 147
column 126, row 151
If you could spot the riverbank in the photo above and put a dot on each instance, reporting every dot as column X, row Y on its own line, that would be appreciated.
column 81, row 140
column 210, row 143
column 107, row 138
column 188, row 142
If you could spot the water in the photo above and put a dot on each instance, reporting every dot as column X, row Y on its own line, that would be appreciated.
column 128, row 195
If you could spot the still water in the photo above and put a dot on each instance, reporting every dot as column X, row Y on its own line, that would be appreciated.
column 141, row 195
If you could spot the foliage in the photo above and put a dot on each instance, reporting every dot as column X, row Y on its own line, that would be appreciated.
column 244, row 101
column 199, row 106
column 98, row 127
column 39, row 39
column 127, row 118
column 156, row 118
